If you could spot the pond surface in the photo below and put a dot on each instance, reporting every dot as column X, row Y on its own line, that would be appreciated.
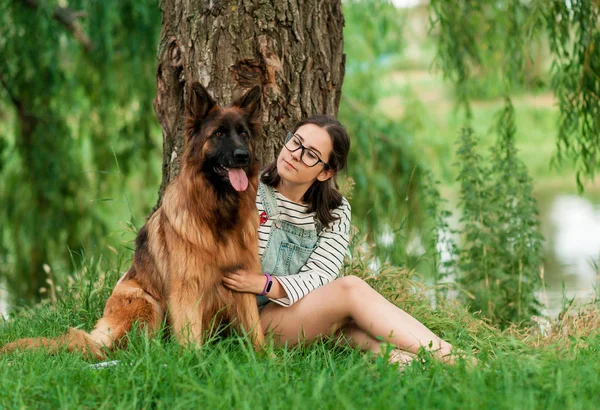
column 3, row 304
column 571, row 225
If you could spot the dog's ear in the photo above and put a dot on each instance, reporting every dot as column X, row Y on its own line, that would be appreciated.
column 251, row 104
column 199, row 104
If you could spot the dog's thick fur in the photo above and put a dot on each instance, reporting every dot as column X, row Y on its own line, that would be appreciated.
column 203, row 229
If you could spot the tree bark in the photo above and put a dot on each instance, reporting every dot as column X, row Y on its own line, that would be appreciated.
column 293, row 49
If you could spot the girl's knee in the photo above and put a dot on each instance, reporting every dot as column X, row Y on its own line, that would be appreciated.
column 351, row 285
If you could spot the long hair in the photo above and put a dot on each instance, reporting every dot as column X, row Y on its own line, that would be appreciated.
column 323, row 196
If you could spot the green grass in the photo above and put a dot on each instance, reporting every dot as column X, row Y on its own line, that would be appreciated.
column 228, row 375
column 517, row 369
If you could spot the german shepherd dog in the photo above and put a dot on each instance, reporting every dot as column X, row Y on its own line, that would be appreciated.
column 206, row 226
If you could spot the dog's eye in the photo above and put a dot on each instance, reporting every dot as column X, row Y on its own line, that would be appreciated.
column 244, row 134
column 217, row 134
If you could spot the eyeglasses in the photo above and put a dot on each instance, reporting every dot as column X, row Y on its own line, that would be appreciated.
column 307, row 156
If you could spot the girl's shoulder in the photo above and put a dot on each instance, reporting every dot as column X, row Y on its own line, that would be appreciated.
column 345, row 205
column 343, row 209
column 343, row 217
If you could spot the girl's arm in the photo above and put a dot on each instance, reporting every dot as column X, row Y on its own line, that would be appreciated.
column 323, row 265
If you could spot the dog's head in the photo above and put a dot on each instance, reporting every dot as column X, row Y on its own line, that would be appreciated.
column 220, row 140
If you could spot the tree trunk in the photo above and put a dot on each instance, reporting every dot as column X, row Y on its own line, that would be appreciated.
column 293, row 48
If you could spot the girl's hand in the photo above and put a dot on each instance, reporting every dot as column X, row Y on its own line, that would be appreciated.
column 245, row 281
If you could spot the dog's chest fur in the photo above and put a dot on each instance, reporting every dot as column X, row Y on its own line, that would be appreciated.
column 197, row 248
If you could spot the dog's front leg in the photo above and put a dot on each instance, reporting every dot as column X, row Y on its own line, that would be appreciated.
column 186, row 316
column 246, row 312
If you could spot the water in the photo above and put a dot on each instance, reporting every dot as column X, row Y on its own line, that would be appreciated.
column 571, row 226
column 3, row 303
column 572, row 229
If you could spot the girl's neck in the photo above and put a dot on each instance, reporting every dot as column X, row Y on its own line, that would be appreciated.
column 293, row 192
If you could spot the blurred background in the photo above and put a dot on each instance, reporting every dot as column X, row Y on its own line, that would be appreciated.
column 80, row 146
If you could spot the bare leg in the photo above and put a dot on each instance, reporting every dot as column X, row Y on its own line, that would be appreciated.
column 324, row 310
column 358, row 338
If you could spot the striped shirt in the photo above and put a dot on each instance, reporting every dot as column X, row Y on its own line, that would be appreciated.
column 325, row 262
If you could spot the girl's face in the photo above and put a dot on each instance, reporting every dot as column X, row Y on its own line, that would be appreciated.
column 292, row 168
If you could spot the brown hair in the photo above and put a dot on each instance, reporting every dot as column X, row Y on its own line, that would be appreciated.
column 323, row 196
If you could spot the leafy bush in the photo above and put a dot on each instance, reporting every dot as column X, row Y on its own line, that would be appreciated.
column 499, row 258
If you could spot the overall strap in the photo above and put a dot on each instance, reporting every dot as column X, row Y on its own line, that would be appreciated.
column 267, row 197
column 318, row 225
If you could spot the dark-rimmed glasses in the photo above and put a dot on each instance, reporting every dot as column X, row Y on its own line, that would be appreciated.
column 307, row 156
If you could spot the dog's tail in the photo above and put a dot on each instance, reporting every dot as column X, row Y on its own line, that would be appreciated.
column 128, row 304
column 75, row 340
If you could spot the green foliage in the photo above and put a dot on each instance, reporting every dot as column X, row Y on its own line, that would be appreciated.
column 480, row 45
column 439, row 246
column 77, row 129
column 574, row 32
column 500, row 253
column 75, row 111
column 520, row 236
column 500, row 37
column 381, row 162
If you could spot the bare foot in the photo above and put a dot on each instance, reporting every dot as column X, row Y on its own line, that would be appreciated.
column 456, row 354
column 402, row 358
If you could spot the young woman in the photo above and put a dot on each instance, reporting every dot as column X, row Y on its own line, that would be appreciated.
column 303, row 237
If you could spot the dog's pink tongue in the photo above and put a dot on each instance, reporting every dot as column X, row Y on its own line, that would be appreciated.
column 238, row 179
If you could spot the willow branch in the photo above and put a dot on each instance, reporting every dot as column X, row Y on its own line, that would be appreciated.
column 17, row 103
column 68, row 18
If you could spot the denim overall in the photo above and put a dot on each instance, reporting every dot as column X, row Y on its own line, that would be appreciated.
column 288, row 247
